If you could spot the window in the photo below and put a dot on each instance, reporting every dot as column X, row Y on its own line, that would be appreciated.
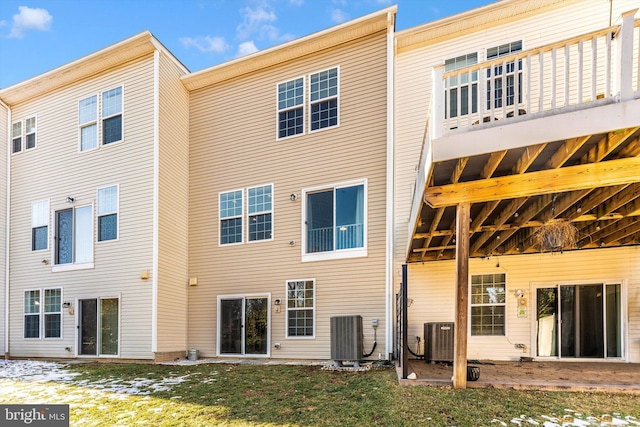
column 87, row 120
column 465, row 86
column 259, row 213
column 488, row 304
column 504, row 78
column 323, row 97
column 30, row 132
column 40, row 225
column 300, row 308
column 74, row 235
column 108, row 213
column 16, row 137
column 260, row 206
column 291, row 108
column 230, row 217
column 46, row 305
column 112, row 115
column 334, row 218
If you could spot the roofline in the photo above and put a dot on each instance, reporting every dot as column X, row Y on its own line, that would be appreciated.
column 131, row 48
column 305, row 45
column 443, row 29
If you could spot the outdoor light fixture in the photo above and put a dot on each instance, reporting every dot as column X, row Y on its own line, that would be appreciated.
column 293, row 197
column 71, row 199
column 66, row 304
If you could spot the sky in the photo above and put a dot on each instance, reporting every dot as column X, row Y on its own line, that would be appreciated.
column 39, row 35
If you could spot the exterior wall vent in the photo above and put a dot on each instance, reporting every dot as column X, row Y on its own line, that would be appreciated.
column 346, row 338
column 438, row 342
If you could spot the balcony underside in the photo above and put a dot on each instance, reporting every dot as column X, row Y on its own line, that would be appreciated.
column 581, row 167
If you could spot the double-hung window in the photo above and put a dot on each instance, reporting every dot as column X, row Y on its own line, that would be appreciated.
column 291, row 108
column 258, row 211
column 502, row 77
column 323, row 98
column 459, row 88
column 230, row 204
column 23, row 131
column 88, row 122
column 112, row 115
column 335, row 220
column 488, row 304
column 108, row 213
column 74, row 235
column 40, row 225
column 300, row 308
column 43, row 312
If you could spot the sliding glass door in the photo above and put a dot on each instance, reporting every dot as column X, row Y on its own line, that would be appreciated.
column 244, row 325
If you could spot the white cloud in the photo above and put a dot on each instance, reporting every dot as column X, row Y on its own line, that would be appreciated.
column 246, row 48
column 296, row 2
column 30, row 19
column 338, row 16
column 253, row 20
column 205, row 44
column 273, row 33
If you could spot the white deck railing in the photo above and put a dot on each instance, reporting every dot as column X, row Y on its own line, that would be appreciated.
column 347, row 236
column 573, row 73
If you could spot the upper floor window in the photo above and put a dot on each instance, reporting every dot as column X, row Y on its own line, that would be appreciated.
column 112, row 115
column 503, row 76
column 87, row 120
column 488, row 304
column 23, row 131
column 43, row 312
column 74, row 235
column 108, row 213
column 259, row 212
column 323, row 98
column 291, row 108
column 110, row 123
column 40, row 225
column 335, row 220
column 458, row 92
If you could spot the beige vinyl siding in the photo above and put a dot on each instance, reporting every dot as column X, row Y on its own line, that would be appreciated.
column 414, row 83
column 432, row 289
column 173, row 209
column 233, row 145
column 56, row 169
column 4, row 151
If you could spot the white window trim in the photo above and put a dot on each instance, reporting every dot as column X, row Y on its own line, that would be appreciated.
column 103, row 118
column 286, row 302
column 336, row 97
column 42, row 313
column 98, row 215
column 47, row 224
column 241, row 216
column 248, row 215
column 342, row 253
column 303, row 106
column 55, row 268
column 77, row 325
column 505, row 305
column 219, row 324
column 90, row 123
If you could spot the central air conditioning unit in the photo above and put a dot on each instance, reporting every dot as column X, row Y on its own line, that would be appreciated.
column 438, row 342
column 346, row 338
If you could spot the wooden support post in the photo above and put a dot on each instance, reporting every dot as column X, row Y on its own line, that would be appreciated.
column 462, row 295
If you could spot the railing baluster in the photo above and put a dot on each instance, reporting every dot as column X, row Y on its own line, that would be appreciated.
column 607, row 67
column 567, row 56
column 458, row 99
column 528, row 94
column 580, row 65
column 594, row 68
column 554, row 77
column 541, row 82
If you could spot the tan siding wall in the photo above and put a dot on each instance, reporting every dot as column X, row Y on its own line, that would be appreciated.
column 233, row 145
column 4, row 136
column 56, row 169
column 432, row 289
column 173, row 209
column 414, row 83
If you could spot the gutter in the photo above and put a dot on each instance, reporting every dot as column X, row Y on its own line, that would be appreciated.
column 8, row 220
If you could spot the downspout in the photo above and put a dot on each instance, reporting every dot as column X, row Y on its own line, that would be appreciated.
column 6, row 260
column 390, row 208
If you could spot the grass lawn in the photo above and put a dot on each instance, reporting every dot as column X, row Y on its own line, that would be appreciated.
column 284, row 395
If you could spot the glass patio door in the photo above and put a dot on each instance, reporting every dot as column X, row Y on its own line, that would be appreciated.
column 98, row 327
column 244, row 326
column 579, row 321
